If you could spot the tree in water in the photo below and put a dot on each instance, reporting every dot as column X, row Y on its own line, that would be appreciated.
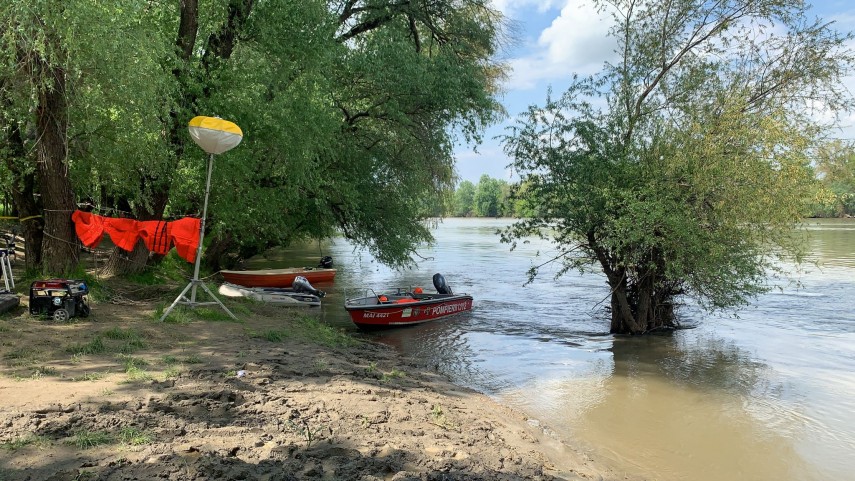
column 681, row 169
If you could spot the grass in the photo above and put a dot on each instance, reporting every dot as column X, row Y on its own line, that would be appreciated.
column 130, row 340
column 394, row 374
column 185, row 315
column 134, row 368
column 136, row 374
column 124, row 341
column 24, row 356
column 95, row 346
column 193, row 359
column 24, row 441
column 43, row 371
column 309, row 433
column 89, row 376
column 119, row 334
column 273, row 335
column 130, row 362
column 313, row 330
column 134, row 437
column 85, row 439
column 440, row 419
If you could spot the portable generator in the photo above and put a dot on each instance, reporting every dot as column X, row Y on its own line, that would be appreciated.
column 60, row 299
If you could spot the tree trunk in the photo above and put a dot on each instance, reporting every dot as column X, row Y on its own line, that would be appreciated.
column 624, row 320
column 60, row 248
column 217, row 252
column 122, row 262
column 23, row 190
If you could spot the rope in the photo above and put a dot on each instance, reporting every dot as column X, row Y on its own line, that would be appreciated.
column 22, row 219
column 143, row 264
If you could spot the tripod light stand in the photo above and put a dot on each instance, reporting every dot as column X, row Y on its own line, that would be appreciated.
column 214, row 136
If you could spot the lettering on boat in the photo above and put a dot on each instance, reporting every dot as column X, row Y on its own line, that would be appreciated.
column 372, row 315
column 448, row 308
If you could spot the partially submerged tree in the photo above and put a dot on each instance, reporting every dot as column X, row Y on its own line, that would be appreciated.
column 681, row 169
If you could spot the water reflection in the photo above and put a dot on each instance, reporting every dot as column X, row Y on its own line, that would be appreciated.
column 675, row 408
column 831, row 241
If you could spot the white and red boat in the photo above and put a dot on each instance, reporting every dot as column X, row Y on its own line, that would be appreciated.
column 300, row 294
column 405, row 307
column 322, row 274
column 278, row 277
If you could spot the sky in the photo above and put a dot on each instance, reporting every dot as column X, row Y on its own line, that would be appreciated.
column 554, row 39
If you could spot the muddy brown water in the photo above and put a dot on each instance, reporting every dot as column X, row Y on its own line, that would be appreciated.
column 767, row 395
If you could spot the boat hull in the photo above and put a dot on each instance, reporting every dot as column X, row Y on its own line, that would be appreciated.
column 271, row 295
column 278, row 277
column 369, row 313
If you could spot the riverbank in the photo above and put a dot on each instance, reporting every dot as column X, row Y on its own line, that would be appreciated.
column 277, row 395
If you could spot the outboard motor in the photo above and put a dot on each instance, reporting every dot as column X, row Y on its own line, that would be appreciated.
column 440, row 285
column 326, row 262
column 302, row 285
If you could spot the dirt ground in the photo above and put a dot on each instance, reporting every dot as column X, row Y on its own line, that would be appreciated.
column 276, row 396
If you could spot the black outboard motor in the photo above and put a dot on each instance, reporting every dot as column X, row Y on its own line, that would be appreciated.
column 302, row 285
column 326, row 262
column 440, row 285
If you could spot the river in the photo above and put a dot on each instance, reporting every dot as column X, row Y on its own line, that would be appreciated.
column 765, row 394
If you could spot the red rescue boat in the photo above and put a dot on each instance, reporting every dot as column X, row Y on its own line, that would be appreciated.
column 279, row 277
column 406, row 307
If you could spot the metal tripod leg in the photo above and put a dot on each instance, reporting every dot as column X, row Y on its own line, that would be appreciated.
column 192, row 303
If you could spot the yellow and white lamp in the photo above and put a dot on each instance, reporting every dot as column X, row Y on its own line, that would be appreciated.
column 215, row 136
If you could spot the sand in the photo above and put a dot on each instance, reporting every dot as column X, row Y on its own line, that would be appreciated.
column 276, row 396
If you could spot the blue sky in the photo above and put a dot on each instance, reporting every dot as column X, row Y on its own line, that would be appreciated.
column 557, row 38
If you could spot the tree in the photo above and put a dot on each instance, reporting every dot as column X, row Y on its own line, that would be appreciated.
column 62, row 61
column 682, row 168
column 464, row 199
column 835, row 166
column 352, row 116
column 350, row 109
column 487, row 194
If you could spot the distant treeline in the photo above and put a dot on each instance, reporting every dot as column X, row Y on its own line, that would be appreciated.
column 834, row 170
column 488, row 198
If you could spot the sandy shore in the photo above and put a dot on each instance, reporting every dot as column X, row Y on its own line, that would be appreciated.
column 276, row 396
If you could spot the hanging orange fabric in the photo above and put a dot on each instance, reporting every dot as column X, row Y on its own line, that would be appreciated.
column 155, row 234
column 184, row 233
column 158, row 236
column 89, row 228
column 123, row 232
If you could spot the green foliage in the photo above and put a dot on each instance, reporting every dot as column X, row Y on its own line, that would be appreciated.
column 490, row 198
column 487, row 197
column 835, row 168
column 349, row 117
column 684, row 167
column 464, row 199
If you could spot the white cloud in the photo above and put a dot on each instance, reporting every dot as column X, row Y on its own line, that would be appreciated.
column 512, row 8
column 576, row 41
